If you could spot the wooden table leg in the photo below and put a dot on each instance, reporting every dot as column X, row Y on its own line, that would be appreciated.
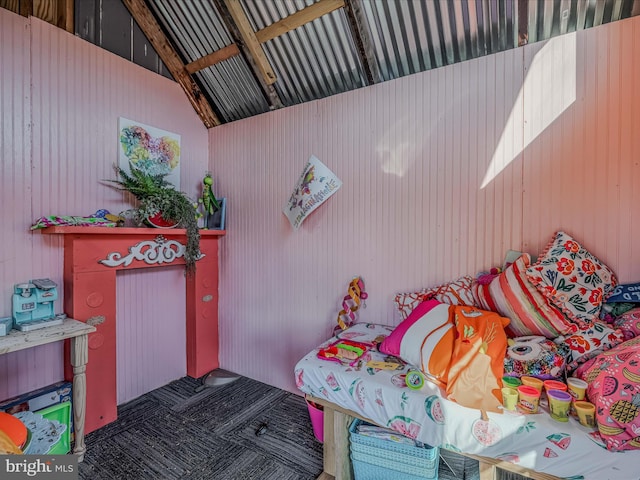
column 341, row 424
column 487, row 471
column 337, row 463
column 329, row 453
column 79, row 358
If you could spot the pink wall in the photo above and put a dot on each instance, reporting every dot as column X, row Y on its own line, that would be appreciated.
column 58, row 141
column 413, row 155
column 549, row 130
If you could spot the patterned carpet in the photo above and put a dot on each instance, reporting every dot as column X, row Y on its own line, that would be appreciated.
column 177, row 432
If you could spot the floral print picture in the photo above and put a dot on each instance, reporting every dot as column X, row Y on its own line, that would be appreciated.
column 149, row 149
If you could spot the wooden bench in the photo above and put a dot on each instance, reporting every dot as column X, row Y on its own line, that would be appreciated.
column 337, row 464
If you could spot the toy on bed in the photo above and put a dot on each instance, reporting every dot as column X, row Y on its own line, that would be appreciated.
column 344, row 351
column 534, row 355
column 351, row 303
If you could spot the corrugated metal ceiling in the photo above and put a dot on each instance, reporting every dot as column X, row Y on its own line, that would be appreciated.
column 403, row 37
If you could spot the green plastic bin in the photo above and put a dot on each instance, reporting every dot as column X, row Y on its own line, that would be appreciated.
column 62, row 413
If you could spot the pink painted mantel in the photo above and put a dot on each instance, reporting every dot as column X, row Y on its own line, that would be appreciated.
column 92, row 255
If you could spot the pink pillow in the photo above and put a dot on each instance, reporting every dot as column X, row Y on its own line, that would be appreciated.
column 629, row 323
column 614, row 390
column 425, row 340
column 391, row 344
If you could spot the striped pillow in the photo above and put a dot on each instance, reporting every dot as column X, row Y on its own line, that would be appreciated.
column 457, row 292
column 512, row 295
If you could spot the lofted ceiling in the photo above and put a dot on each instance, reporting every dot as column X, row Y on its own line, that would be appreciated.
column 239, row 58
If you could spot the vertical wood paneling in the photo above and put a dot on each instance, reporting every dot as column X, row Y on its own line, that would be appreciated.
column 16, row 259
column 413, row 154
column 59, row 141
column 151, row 331
column 582, row 170
column 628, row 198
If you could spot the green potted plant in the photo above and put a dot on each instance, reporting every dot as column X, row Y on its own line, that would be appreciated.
column 161, row 205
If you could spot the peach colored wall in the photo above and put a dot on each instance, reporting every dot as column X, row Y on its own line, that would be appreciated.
column 60, row 99
column 442, row 173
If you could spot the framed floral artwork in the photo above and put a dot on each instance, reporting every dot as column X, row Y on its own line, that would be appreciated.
column 149, row 149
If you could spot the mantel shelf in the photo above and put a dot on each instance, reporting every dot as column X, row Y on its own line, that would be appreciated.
column 151, row 232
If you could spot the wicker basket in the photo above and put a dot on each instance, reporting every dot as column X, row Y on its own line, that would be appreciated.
column 377, row 459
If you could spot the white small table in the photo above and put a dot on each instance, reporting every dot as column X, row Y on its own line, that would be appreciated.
column 78, row 333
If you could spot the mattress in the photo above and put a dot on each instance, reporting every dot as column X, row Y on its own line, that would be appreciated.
column 534, row 441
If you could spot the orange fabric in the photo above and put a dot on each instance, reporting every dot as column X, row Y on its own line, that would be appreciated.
column 476, row 369
column 14, row 428
column 440, row 357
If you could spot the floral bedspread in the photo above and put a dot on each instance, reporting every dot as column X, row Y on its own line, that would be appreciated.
column 566, row 450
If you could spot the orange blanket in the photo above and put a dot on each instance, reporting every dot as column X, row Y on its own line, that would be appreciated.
column 476, row 368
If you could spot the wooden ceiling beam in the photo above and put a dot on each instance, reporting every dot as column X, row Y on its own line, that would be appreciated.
column 65, row 15
column 295, row 20
column 362, row 38
column 151, row 28
column 250, row 41
column 55, row 12
column 213, row 58
column 268, row 89
column 12, row 6
column 26, row 8
column 523, row 22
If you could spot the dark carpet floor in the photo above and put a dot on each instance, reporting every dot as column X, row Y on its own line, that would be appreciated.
column 175, row 433
column 178, row 432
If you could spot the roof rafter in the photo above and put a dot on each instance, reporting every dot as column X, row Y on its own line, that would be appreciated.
column 523, row 22
column 58, row 12
column 250, row 41
column 269, row 91
column 213, row 58
column 362, row 38
column 274, row 30
column 151, row 28
column 295, row 20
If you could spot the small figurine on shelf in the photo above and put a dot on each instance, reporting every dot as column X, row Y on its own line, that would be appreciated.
column 213, row 208
column 209, row 200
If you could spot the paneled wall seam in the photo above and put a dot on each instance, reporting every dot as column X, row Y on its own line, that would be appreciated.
column 522, row 153
column 30, row 122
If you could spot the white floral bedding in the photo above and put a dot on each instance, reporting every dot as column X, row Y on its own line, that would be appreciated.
column 532, row 441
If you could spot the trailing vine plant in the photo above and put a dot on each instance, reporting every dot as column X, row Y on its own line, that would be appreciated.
column 156, row 195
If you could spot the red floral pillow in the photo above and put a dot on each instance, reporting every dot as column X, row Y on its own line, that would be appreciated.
column 588, row 343
column 572, row 279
